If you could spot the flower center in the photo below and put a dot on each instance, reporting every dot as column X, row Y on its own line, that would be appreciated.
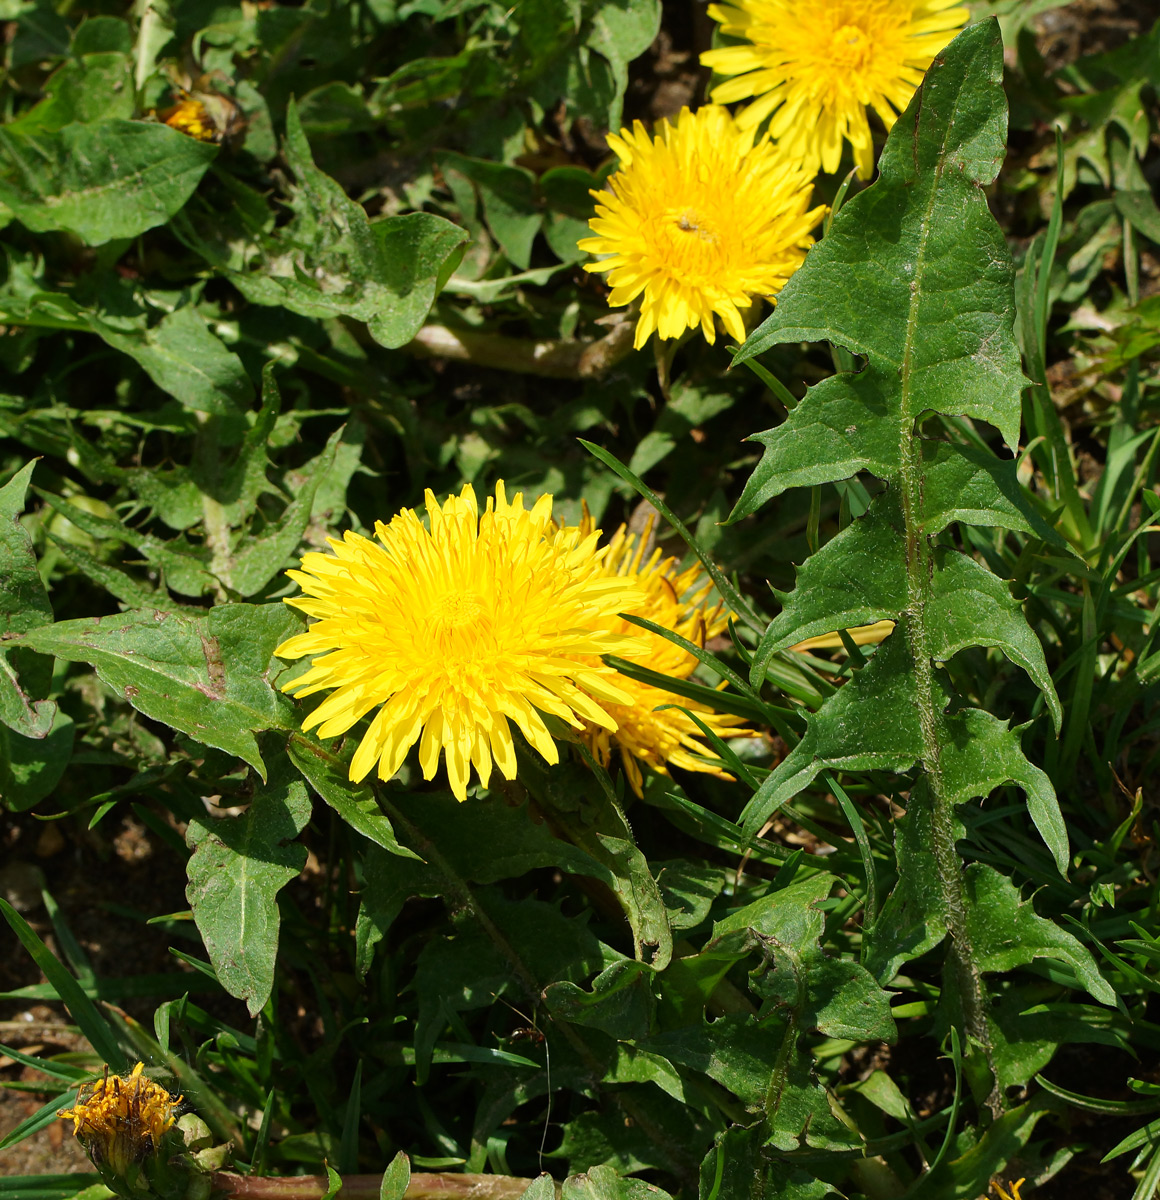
column 849, row 48
column 455, row 610
column 691, row 222
column 691, row 239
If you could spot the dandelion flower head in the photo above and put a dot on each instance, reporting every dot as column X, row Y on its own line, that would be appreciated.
column 120, row 1120
column 816, row 68
column 452, row 630
column 676, row 600
column 191, row 117
column 699, row 220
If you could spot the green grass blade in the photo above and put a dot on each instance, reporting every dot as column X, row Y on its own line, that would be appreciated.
column 82, row 1009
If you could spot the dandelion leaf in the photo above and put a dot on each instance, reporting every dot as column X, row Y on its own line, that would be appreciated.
column 913, row 919
column 31, row 765
column 186, row 359
column 238, row 866
column 259, row 558
column 812, row 992
column 801, row 1114
column 1007, row 932
column 621, row 1002
column 734, row 1050
column 386, row 273
column 971, row 607
column 207, row 675
column 104, row 180
column 830, row 996
column 856, row 578
column 355, row 803
column 964, row 483
column 980, row 753
column 843, row 425
column 24, row 605
column 739, row 1168
column 871, row 723
column 914, row 274
column 604, row 1182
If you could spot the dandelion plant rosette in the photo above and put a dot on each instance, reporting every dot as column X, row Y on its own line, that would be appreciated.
column 455, row 630
column 815, row 68
column 698, row 221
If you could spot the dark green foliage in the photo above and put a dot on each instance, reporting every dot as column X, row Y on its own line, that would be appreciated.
column 910, row 947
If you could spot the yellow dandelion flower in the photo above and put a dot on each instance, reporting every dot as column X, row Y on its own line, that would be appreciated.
column 816, row 67
column 674, row 600
column 191, row 117
column 120, row 1120
column 700, row 220
column 452, row 631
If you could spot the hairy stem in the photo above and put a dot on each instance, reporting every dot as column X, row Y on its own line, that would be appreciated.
column 919, row 573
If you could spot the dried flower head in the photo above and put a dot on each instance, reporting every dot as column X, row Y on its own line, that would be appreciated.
column 120, row 1121
column 675, row 600
column 816, row 67
column 699, row 220
column 454, row 630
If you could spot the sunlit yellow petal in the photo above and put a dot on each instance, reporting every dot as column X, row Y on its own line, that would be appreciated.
column 821, row 65
column 698, row 221
column 864, row 635
column 451, row 629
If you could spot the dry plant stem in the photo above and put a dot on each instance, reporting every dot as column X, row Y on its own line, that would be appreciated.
column 367, row 1187
column 552, row 359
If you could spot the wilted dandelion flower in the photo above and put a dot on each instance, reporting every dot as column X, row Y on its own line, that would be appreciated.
column 452, row 631
column 120, row 1120
column 816, row 67
column 674, row 600
column 700, row 220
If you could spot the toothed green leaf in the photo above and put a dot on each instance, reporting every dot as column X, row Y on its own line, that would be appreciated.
column 971, row 607
column 913, row 919
column 855, row 579
column 1007, row 932
column 980, row 754
column 871, row 723
column 846, row 424
column 964, row 483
